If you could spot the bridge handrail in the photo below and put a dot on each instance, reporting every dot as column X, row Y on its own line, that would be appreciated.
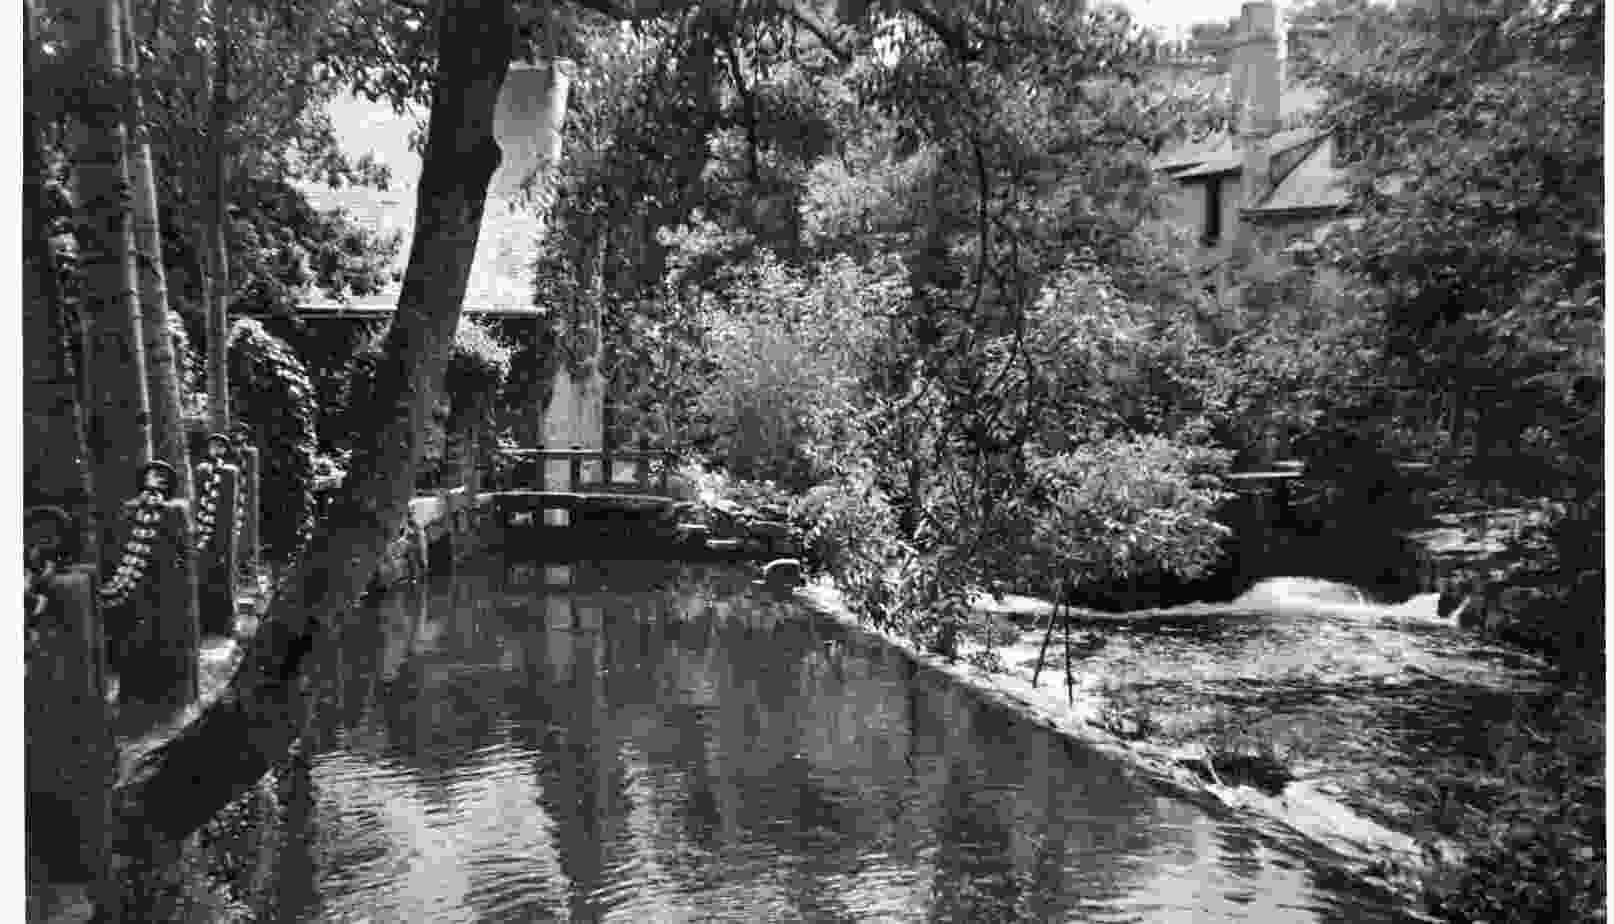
column 608, row 458
column 623, row 454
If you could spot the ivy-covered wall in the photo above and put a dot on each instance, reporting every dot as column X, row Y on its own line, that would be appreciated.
column 272, row 398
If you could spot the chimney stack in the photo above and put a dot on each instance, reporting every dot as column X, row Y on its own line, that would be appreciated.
column 1257, row 70
column 527, row 123
column 1257, row 88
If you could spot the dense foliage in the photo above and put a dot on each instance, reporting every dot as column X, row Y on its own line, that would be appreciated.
column 837, row 250
column 282, row 250
column 1481, row 232
column 790, row 356
column 478, row 367
column 1479, row 253
column 1477, row 260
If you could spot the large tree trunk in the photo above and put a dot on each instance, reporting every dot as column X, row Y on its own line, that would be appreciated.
column 119, row 430
column 176, row 788
column 217, row 287
column 162, row 370
column 53, row 458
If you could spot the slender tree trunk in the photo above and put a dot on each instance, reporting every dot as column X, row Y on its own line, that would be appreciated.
column 218, row 277
column 174, row 789
column 54, row 457
column 119, row 427
column 162, row 370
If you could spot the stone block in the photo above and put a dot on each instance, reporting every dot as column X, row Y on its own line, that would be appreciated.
column 159, row 649
column 217, row 560
column 68, row 749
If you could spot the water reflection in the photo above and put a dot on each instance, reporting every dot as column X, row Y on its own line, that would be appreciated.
column 659, row 744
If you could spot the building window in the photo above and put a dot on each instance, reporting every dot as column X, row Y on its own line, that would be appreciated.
column 1211, row 233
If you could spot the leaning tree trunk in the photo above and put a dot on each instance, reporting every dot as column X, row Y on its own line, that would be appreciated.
column 177, row 787
column 162, row 370
column 217, row 296
column 53, row 424
column 119, row 429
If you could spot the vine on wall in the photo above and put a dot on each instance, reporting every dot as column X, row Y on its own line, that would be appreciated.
column 273, row 399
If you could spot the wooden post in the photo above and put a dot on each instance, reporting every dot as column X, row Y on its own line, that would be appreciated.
column 158, row 666
column 644, row 471
column 607, row 469
column 577, row 467
column 250, row 545
column 666, row 472
column 217, row 486
column 69, row 757
column 473, row 459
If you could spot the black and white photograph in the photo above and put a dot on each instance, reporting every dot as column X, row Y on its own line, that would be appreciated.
column 752, row 461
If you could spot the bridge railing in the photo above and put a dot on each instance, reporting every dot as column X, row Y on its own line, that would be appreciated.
column 570, row 470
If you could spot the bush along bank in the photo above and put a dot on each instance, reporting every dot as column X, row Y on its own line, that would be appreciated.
column 742, row 519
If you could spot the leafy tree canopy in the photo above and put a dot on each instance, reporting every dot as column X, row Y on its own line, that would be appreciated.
column 1481, row 213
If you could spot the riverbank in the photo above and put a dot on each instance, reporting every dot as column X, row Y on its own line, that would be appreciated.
column 1351, row 703
column 136, row 730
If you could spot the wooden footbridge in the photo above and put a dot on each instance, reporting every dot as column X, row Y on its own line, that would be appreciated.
column 544, row 497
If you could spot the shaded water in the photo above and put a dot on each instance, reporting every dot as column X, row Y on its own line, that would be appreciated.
column 666, row 744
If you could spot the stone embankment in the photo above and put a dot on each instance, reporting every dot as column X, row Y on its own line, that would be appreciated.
column 1335, row 688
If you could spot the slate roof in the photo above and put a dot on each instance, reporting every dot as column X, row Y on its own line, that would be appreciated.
column 1306, row 179
column 1313, row 183
column 1192, row 155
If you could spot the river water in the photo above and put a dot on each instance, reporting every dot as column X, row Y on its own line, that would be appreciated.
column 646, row 743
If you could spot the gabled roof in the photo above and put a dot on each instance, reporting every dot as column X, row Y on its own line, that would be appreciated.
column 1227, row 158
column 1295, row 105
column 1304, row 178
column 1192, row 155
column 1311, row 184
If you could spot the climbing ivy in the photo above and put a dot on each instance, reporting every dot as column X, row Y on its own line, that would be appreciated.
column 274, row 402
column 478, row 368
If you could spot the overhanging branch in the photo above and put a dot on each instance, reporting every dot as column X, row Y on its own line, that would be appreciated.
column 819, row 32
column 636, row 10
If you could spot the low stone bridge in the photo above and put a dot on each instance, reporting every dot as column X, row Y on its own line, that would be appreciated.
column 548, row 499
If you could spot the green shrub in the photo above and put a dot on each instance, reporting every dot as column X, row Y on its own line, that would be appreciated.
column 791, row 352
column 1124, row 507
column 719, row 485
column 853, row 537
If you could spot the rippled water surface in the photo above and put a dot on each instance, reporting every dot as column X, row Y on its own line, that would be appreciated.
column 668, row 744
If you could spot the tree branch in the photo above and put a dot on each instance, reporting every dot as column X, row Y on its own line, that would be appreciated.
column 818, row 32
column 636, row 10
column 752, row 144
column 957, row 41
